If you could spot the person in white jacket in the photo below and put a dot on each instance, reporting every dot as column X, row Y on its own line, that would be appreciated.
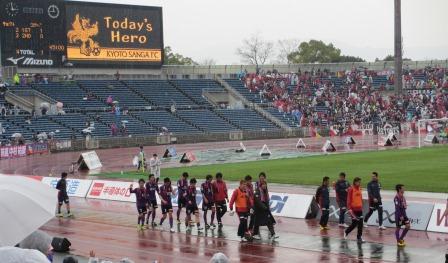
column 154, row 165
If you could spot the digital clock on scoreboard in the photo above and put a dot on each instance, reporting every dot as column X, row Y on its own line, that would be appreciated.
column 32, row 33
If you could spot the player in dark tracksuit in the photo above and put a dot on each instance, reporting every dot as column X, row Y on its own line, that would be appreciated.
column 208, row 202
column 141, row 200
column 62, row 195
column 375, row 203
column 401, row 218
column 152, row 190
column 323, row 198
column 182, row 187
column 341, row 189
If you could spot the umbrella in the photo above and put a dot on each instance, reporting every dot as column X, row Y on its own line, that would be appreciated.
column 21, row 197
column 16, row 135
column 115, row 102
column 19, row 255
column 45, row 105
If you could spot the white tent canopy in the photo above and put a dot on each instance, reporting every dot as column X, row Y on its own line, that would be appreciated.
column 25, row 205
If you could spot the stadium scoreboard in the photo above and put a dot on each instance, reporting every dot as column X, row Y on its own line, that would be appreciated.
column 30, row 32
column 48, row 33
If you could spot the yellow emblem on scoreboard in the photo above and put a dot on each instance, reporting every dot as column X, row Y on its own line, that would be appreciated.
column 83, row 31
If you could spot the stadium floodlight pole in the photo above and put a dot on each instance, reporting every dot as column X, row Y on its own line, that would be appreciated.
column 398, row 49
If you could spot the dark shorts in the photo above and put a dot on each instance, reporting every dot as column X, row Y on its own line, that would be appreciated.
column 403, row 222
column 207, row 206
column 221, row 204
column 342, row 204
column 167, row 208
column 181, row 203
column 63, row 198
column 141, row 209
column 191, row 209
column 152, row 203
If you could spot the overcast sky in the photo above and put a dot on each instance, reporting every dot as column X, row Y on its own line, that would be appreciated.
column 211, row 29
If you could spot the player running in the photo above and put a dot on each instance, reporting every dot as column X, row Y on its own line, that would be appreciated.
column 341, row 189
column 221, row 197
column 208, row 201
column 375, row 203
column 400, row 215
column 165, row 191
column 323, row 198
column 140, row 196
column 354, row 205
column 192, row 207
column 62, row 195
column 182, row 187
column 242, row 203
column 152, row 189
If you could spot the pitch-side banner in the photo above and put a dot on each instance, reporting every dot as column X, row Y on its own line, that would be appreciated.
column 439, row 219
column 418, row 213
column 75, row 187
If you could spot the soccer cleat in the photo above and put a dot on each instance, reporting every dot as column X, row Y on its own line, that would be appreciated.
column 256, row 237
column 274, row 236
column 207, row 226
column 401, row 243
column 220, row 225
column 59, row 215
column 70, row 214
column 243, row 239
column 322, row 227
column 382, row 227
column 172, row 230
column 139, row 228
column 200, row 228
column 343, row 225
column 345, row 235
column 188, row 228
column 153, row 224
column 360, row 240
column 327, row 228
column 365, row 225
column 178, row 222
column 212, row 226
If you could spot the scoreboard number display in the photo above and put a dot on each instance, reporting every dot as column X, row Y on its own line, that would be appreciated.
column 30, row 33
column 49, row 33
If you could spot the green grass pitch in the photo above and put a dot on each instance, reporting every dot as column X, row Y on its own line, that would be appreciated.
column 424, row 169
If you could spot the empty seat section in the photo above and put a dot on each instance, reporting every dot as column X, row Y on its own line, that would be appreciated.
column 162, row 119
column 247, row 119
column 194, row 88
column 207, row 120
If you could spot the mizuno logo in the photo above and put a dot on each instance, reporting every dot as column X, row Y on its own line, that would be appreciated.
column 15, row 60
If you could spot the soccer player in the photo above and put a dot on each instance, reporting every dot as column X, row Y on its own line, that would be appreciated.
column 151, row 190
column 240, row 198
column 400, row 215
column 141, row 160
column 262, row 209
column 354, row 205
column 62, row 195
column 182, row 187
column 250, row 192
column 154, row 165
column 323, row 198
column 165, row 192
column 192, row 206
column 375, row 203
column 140, row 196
column 341, row 189
column 208, row 201
column 221, row 197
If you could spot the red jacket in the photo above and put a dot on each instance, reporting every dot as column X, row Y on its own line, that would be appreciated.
column 241, row 200
column 354, row 198
column 220, row 191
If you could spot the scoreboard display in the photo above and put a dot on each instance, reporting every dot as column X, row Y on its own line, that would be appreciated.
column 48, row 33
column 104, row 34
column 31, row 33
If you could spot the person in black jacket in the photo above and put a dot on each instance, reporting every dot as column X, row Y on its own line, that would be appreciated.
column 62, row 195
column 323, row 199
column 262, row 211
column 341, row 188
column 375, row 203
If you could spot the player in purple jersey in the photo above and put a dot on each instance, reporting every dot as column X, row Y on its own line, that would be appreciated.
column 401, row 218
column 152, row 190
column 165, row 192
column 182, row 187
column 208, row 201
column 140, row 196
column 192, row 206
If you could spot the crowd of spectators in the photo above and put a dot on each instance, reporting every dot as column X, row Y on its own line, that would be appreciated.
column 347, row 98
